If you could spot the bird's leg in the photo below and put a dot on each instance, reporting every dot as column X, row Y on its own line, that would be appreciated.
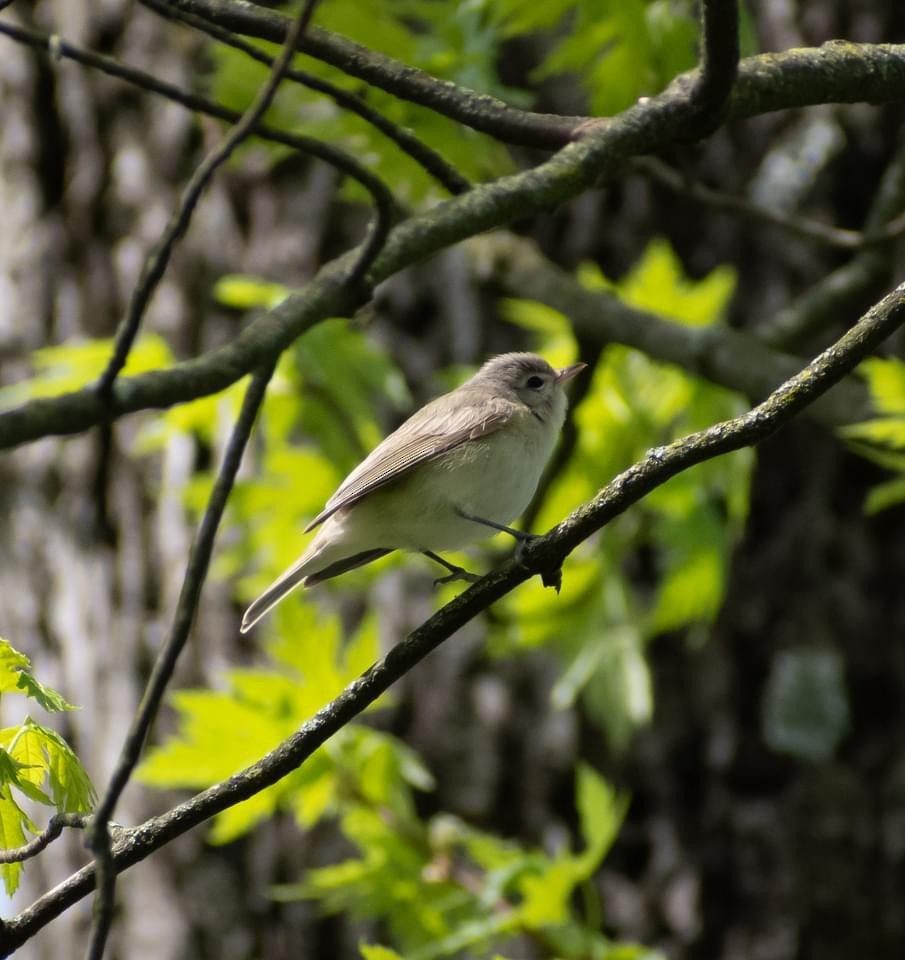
column 455, row 573
column 549, row 578
column 521, row 536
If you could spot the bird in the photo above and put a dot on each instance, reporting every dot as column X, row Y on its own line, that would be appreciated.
column 465, row 463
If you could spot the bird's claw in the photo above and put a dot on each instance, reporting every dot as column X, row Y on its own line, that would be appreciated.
column 520, row 546
column 549, row 578
column 459, row 574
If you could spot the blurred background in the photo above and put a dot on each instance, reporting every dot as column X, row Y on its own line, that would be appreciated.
column 696, row 750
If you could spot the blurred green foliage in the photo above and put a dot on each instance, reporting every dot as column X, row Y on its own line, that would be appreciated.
column 610, row 51
column 610, row 607
column 35, row 762
column 617, row 50
column 439, row 886
column 70, row 366
column 882, row 438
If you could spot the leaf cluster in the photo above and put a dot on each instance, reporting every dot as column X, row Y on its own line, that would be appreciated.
column 36, row 763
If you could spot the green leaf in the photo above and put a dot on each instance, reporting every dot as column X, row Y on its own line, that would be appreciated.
column 371, row 951
column 806, row 711
column 13, row 824
column 16, row 677
column 243, row 292
column 885, row 495
column 70, row 366
column 46, row 697
column 70, row 785
column 601, row 811
column 886, row 382
column 883, row 431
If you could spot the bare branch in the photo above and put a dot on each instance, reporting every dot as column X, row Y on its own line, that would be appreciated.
column 807, row 229
column 730, row 358
column 385, row 207
column 156, row 263
column 847, row 287
column 53, row 829
column 195, row 575
column 719, row 63
column 544, row 554
column 837, row 72
column 428, row 158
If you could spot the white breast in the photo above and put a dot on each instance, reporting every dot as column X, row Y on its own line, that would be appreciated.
column 493, row 477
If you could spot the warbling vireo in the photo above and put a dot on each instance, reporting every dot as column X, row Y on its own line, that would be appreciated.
column 467, row 461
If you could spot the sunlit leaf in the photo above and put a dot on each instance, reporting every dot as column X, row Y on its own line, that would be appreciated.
column 13, row 824
column 886, row 382
column 70, row 366
column 246, row 292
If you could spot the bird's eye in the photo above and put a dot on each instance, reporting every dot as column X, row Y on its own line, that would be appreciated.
column 535, row 383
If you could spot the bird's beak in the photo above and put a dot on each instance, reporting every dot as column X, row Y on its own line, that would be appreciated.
column 566, row 374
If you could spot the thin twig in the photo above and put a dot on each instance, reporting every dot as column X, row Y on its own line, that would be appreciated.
column 809, row 229
column 156, row 263
column 423, row 154
column 719, row 63
column 53, row 829
column 823, row 304
column 549, row 551
column 384, row 204
column 195, row 574
column 476, row 110
column 795, row 79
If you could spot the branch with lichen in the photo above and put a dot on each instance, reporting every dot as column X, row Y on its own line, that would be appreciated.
column 543, row 555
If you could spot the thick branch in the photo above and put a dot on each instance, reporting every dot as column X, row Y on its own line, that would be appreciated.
column 546, row 553
column 718, row 353
column 156, row 263
column 597, row 156
column 837, row 72
column 428, row 158
column 325, row 296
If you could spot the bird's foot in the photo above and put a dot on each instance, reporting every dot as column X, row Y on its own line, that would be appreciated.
column 549, row 578
column 460, row 573
column 522, row 542
column 455, row 572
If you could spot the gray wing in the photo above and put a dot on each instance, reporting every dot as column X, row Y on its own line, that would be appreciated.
column 428, row 434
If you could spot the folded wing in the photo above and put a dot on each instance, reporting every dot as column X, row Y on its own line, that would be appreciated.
column 432, row 432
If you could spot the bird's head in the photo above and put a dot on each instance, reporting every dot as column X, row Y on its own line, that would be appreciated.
column 528, row 378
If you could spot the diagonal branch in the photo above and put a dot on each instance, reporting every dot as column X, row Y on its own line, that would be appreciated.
column 731, row 358
column 837, row 72
column 428, row 158
column 195, row 575
column 384, row 204
column 719, row 63
column 50, row 833
column 545, row 553
column 156, row 264
column 797, row 78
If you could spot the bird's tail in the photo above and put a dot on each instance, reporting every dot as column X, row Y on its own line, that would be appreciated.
column 301, row 573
